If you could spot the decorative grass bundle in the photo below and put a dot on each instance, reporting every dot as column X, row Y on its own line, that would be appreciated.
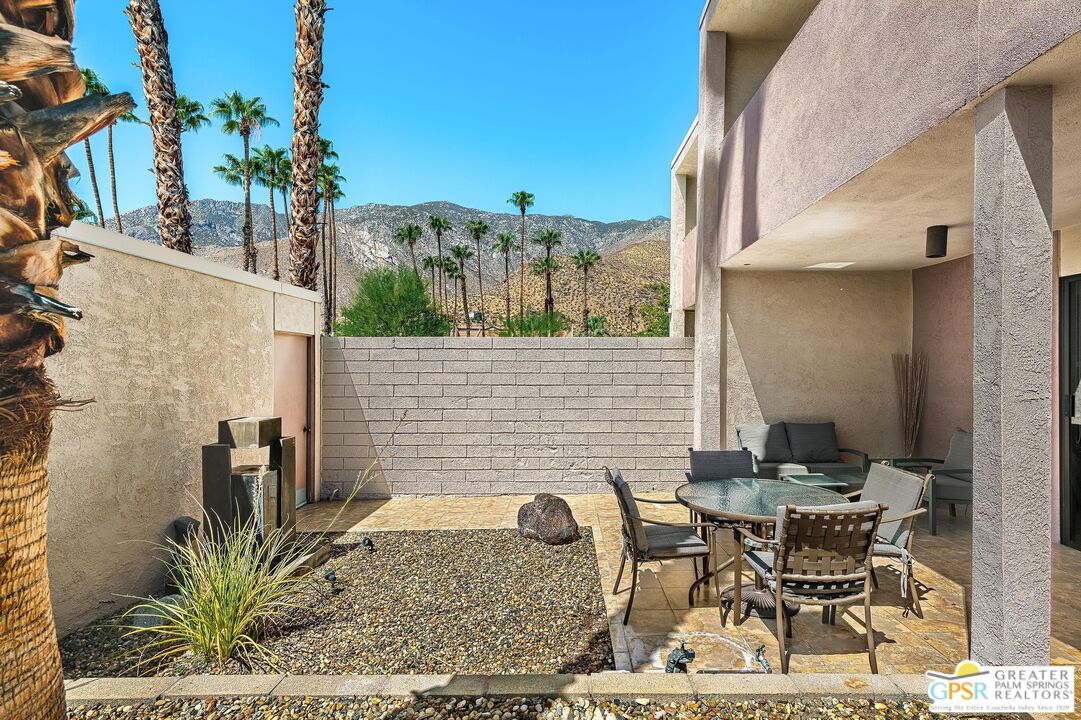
column 910, row 373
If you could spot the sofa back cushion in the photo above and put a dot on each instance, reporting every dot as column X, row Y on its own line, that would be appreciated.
column 813, row 442
column 960, row 455
column 767, row 443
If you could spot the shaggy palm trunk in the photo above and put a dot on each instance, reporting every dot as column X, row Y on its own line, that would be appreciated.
column 94, row 182
column 442, row 270
column 49, row 112
column 112, row 181
column 307, row 99
column 323, row 269
column 249, row 237
column 274, row 226
column 480, row 283
column 506, row 281
column 465, row 299
column 521, row 273
column 174, row 217
column 585, row 301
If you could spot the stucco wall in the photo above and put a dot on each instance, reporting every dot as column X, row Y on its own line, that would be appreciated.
column 942, row 331
column 504, row 415
column 169, row 345
column 818, row 346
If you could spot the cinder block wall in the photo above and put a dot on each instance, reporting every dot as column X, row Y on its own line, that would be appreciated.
column 484, row 416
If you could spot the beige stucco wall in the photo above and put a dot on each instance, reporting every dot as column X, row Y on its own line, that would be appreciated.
column 818, row 346
column 169, row 345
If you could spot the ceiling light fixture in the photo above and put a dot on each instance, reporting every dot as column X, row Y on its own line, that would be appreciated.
column 828, row 266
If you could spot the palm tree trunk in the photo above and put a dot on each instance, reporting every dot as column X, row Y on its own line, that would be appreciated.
column 413, row 257
column 465, row 301
column 274, row 227
column 112, row 181
column 442, row 280
column 521, row 273
column 549, row 301
column 285, row 211
column 31, row 676
column 174, row 217
column 585, row 301
column 249, row 236
column 433, row 288
column 307, row 99
column 480, row 283
column 94, row 182
column 506, row 280
column 333, row 261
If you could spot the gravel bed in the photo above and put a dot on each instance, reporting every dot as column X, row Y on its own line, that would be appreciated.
column 514, row 708
column 431, row 602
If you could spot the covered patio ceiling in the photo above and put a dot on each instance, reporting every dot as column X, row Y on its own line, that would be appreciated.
column 878, row 219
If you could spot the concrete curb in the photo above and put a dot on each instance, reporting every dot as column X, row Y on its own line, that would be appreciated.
column 659, row 687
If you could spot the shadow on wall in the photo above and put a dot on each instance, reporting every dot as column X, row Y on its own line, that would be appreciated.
column 806, row 346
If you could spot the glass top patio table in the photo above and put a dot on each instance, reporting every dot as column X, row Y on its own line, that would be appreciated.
column 751, row 499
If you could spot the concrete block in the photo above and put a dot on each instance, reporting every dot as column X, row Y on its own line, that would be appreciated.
column 662, row 687
column 538, row 686
column 200, row 686
column 115, row 690
column 730, row 686
column 435, row 685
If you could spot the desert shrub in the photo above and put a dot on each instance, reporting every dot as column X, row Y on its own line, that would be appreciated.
column 536, row 324
column 655, row 314
column 598, row 326
column 231, row 590
column 391, row 302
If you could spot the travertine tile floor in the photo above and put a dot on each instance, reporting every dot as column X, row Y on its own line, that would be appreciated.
column 661, row 617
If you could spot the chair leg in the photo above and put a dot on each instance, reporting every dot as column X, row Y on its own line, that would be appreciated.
column 825, row 614
column 737, row 588
column 781, row 634
column 932, row 507
column 634, row 584
column 916, row 608
column 870, row 633
column 874, row 578
column 619, row 575
column 953, row 510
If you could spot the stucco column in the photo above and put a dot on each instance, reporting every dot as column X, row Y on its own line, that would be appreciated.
column 678, row 229
column 709, row 320
column 1012, row 336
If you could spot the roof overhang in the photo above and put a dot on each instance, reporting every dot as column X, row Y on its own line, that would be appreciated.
column 686, row 160
column 771, row 20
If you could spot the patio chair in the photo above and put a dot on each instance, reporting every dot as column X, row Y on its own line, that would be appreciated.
column 647, row 540
column 903, row 492
column 951, row 482
column 717, row 465
column 818, row 556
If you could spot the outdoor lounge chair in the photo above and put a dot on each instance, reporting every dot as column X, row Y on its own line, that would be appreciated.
column 717, row 465
column 951, row 482
column 903, row 492
column 786, row 448
column 818, row 556
column 645, row 540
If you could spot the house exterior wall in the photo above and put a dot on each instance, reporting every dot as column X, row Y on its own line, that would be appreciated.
column 942, row 331
column 818, row 346
column 169, row 345
column 504, row 415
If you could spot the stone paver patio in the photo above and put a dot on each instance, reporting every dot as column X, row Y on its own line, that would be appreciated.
column 661, row 617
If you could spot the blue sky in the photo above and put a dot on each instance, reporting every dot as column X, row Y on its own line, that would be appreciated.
column 582, row 103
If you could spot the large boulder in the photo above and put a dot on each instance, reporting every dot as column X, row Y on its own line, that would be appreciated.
column 548, row 518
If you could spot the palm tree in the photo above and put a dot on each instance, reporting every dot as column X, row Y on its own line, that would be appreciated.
column 440, row 225
column 521, row 200
column 584, row 260
column 409, row 234
column 330, row 180
column 174, row 217
column 94, row 86
column 38, row 198
column 268, row 161
column 191, row 114
column 450, row 269
column 546, row 266
column 548, row 239
column 127, row 117
column 430, row 263
column 478, row 229
column 307, row 99
column 504, row 243
column 461, row 253
column 243, row 116
column 285, row 181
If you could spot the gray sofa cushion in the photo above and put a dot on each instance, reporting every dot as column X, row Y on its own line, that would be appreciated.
column 771, row 471
column 768, row 443
column 959, row 456
column 949, row 487
column 813, row 442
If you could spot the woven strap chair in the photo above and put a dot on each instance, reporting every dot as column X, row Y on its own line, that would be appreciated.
column 645, row 540
column 818, row 556
column 904, row 493
column 716, row 465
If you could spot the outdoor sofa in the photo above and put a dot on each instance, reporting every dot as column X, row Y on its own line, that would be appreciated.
column 787, row 448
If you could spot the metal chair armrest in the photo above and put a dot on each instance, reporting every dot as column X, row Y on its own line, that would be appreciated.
column 903, row 516
column 677, row 524
column 864, row 457
column 915, row 461
column 746, row 534
column 854, row 493
column 954, row 472
column 659, row 502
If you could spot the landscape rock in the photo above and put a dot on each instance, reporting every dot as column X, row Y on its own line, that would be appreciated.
column 150, row 616
column 548, row 518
